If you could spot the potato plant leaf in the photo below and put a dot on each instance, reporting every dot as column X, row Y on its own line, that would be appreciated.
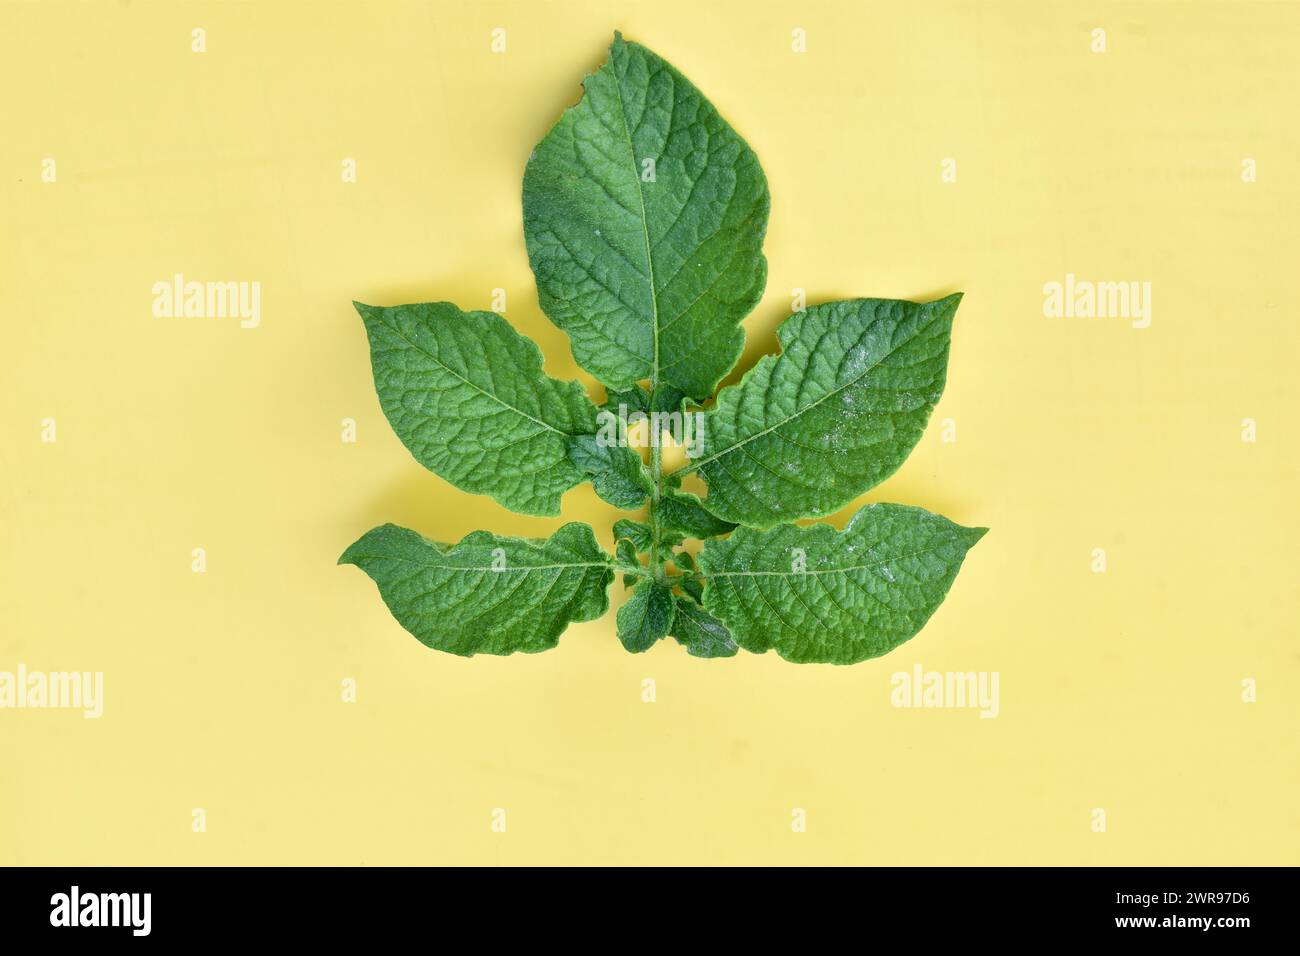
column 690, row 582
column 488, row 594
column 616, row 471
column 702, row 634
column 644, row 215
column 638, row 399
column 637, row 533
column 644, row 220
column 626, row 553
column 682, row 512
column 466, row 395
column 646, row 617
column 817, row 595
column 836, row 413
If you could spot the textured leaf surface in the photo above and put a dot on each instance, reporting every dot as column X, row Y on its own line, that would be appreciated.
column 638, row 399
column 616, row 471
column 636, row 532
column 836, row 413
column 646, row 617
column 702, row 634
column 488, row 594
column 467, row 396
column 688, row 582
column 649, row 277
column 682, row 512
column 817, row 595
column 625, row 551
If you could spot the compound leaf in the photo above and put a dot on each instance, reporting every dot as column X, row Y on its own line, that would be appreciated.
column 644, row 215
column 837, row 412
column 644, row 219
column 816, row 595
column 488, row 594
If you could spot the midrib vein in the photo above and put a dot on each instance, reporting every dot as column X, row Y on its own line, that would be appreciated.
column 524, row 569
column 695, row 466
column 843, row 570
column 645, row 234
column 496, row 398
column 656, row 455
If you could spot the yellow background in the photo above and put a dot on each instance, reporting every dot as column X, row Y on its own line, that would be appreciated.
column 1119, row 691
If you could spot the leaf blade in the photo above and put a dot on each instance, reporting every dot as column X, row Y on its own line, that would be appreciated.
column 637, row 533
column 834, row 414
column 647, row 617
column 649, row 278
column 858, row 594
column 487, row 594
column 616, row 471
column 466, row 395
column 683, row 513
column 702, row 634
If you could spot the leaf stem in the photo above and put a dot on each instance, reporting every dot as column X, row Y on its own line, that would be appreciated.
column 636, row 569
column 657, row 475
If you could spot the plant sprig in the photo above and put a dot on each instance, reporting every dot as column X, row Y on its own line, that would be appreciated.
column 644, row 219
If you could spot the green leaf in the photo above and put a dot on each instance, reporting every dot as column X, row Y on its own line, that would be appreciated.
column 634, row 399
column 649, row 275
column 667, row 541
column 466, row 395
column 638, row 399
column 817, row 595
column 836, row 413
column 637, row 533
column 667, row 399
column 646, row 617
column 625, row 551
column 689, row 582
column 682, row 512
column 616, row 471
column 702, row 634
column 488, row 594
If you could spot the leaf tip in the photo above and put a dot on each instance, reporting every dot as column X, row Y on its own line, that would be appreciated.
column 352, row 554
